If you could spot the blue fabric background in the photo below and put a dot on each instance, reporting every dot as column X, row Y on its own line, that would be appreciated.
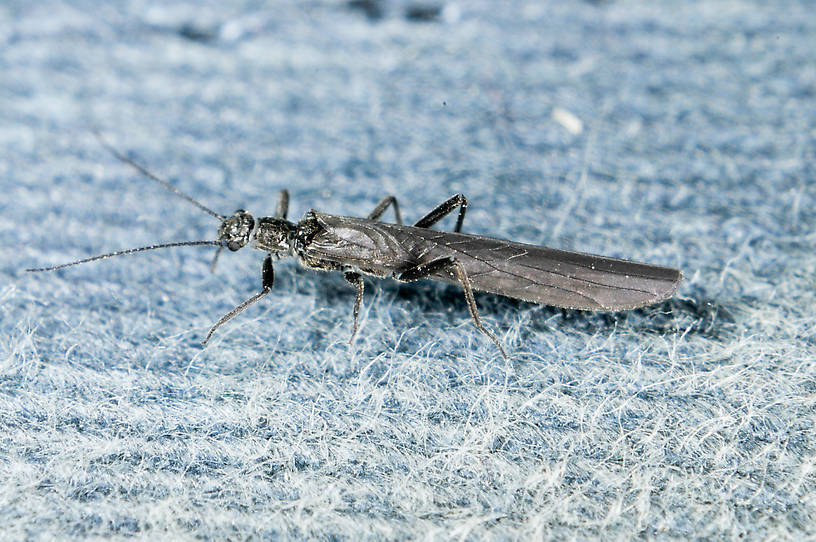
column 676, row 133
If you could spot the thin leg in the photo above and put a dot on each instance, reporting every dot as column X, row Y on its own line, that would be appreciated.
column 443, row 210
column 215, row 259
column 267, row 280
column 383, row 205
column 355, row 280
column 452, row 264
column 283, row 204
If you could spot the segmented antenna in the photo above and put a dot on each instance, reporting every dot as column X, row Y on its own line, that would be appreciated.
column 144, row 171
column 125, row 252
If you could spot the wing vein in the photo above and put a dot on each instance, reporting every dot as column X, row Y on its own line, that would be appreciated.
column 565, row 275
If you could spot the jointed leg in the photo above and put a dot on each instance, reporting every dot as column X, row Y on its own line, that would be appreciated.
column 215, row 259
column 283, row 204
column 355, row 280
column 452, row 264
column 268, row 278
column 382, row 206
column 443, row 210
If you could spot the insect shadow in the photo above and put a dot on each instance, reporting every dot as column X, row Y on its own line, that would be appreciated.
column 697, row 314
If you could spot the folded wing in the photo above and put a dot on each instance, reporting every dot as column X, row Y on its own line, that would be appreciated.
column 553, row 277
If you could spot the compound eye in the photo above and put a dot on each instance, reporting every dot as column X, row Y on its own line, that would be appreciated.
column 234, row 246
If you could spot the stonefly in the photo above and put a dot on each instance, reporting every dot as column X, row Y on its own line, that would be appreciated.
column 356, row 246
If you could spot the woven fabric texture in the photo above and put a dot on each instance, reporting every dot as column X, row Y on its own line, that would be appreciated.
column 674, row 133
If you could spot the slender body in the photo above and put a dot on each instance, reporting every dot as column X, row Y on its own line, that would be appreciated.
column 357, row 246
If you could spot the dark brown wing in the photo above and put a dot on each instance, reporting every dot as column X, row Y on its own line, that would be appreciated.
column 532, row 273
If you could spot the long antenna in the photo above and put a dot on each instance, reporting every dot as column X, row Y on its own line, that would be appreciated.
column 144, row 171
column 125, row 252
